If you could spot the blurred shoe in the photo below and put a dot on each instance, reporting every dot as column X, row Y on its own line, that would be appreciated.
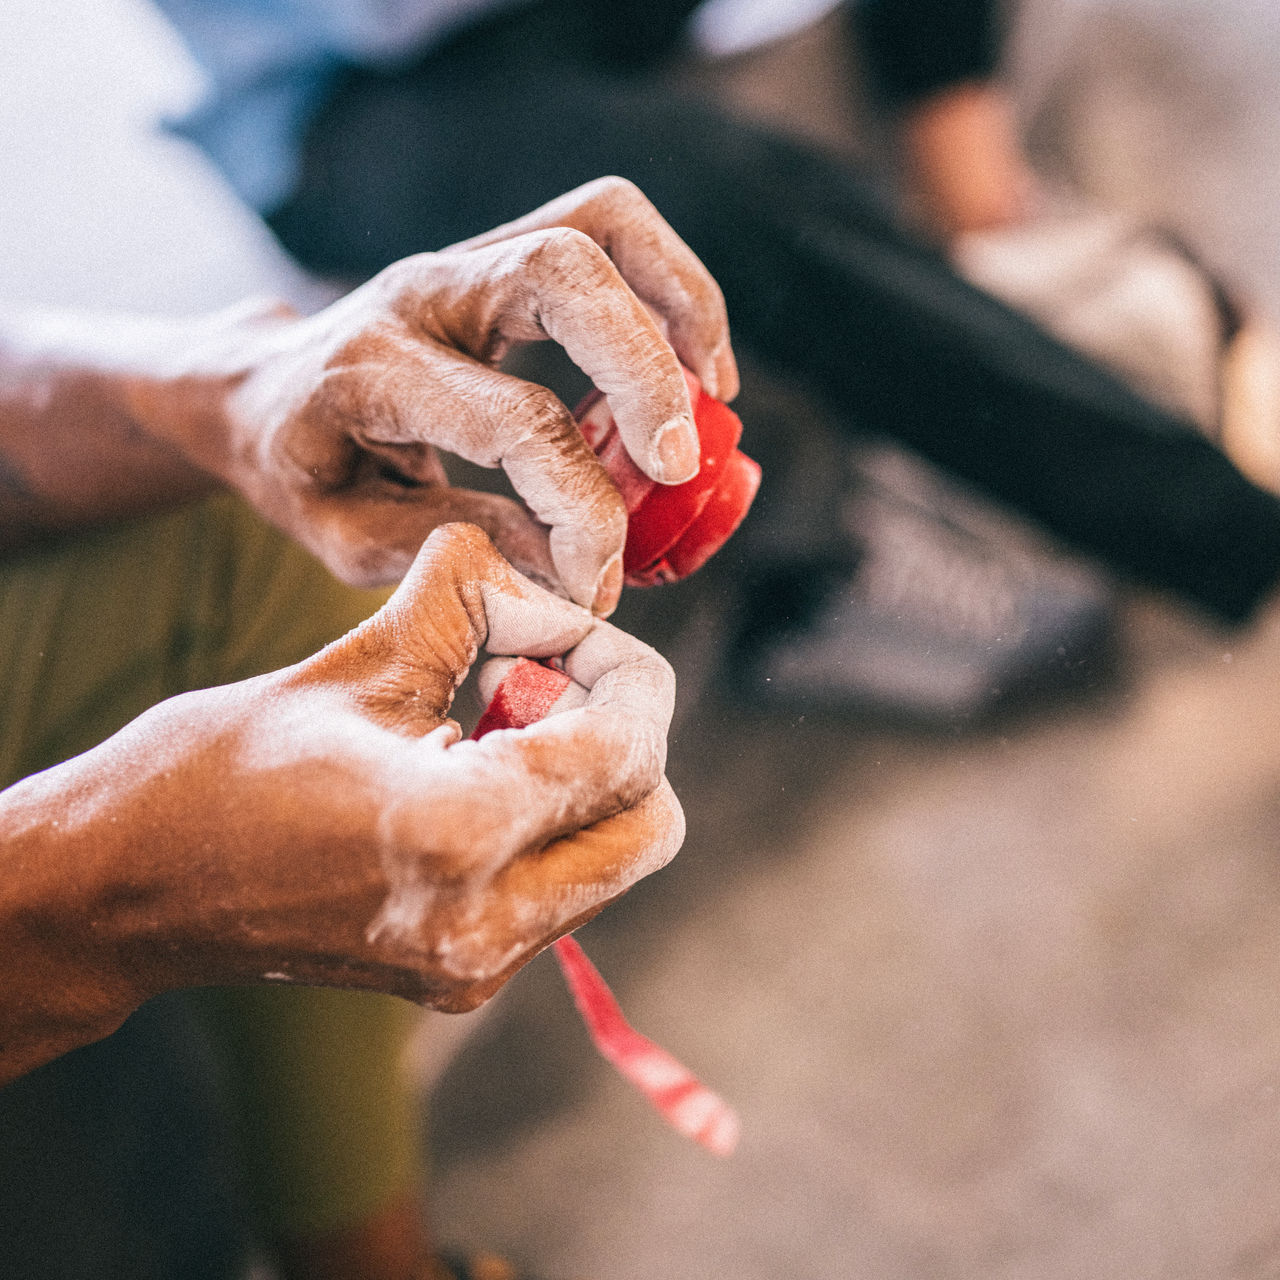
column 933, row 606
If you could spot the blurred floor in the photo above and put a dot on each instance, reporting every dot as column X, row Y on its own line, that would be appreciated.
column 998, row 1003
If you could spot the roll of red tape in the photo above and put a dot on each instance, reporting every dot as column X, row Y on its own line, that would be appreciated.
column 674, row 529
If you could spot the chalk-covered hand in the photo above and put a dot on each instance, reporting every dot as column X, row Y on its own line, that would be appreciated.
column 331, row 424
column 325, row 824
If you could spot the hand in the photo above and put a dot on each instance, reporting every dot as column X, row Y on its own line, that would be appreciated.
column 965, row 165
column 331, row 424
column 325, row 824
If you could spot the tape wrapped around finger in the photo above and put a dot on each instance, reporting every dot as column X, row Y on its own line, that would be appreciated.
column 674, row 529
column 527, row 693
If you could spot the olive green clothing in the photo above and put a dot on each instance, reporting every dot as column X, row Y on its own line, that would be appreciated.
column 94, row 630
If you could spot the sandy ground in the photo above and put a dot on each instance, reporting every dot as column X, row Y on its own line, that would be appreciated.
column 1000, row 1003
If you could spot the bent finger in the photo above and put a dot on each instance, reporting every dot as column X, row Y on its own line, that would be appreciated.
column 628, row 708
column 405, row 662
column 537, row 899
column 660, row 268
column 560, row 284
column 591, row 867
column 527, row 787
column 460, row 572
column 495, row 419
column 370, row 536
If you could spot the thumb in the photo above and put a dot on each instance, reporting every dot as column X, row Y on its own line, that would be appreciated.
column 491, row 418
column 459, row 595
column 371, row 538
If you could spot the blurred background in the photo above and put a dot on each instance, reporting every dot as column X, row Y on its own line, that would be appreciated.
column 996, row 995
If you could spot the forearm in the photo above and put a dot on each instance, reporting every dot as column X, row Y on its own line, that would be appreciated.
column 109, row 889
column 60, row 989
column 97, row 416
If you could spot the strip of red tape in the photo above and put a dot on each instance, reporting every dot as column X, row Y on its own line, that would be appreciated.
column 526, row 694
column 683, row 1100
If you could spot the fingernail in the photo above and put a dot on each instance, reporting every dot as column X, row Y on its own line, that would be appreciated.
column 726, row 372
column 678, row 451
column 608, row 588
column 711, row 378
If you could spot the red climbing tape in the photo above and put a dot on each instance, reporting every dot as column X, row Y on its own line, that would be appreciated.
column 671, row 531
column 683, row 1100
column 527, row 693
column 675, row 529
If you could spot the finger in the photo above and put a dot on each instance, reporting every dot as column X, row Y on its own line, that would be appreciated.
column 460, row 572
column 577, row 873
column 403, row 665
column 560, row 284
column 494, row 419
column 527, row 787
column 660, row 268
column 526, row 829
column 369, row 536
column 537, row 899
column 617, row 668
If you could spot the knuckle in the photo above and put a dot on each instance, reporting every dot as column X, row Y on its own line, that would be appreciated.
column 540, row 413
column 458, row 539
column 660, row 672
column 701, row 310
column 654, row 763
column 669, row 825
column 406, row 275
column 567, row 254
column 455, row 559
column 672, row 811
column 609, row 515
column 591, row 509
column 655, row 832
column 619, row 192
column 594, row 498
column 707, row 296
column 542, row 433
column 643, row 662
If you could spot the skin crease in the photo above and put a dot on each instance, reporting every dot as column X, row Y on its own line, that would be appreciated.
column 309, row 806
column 330, row 424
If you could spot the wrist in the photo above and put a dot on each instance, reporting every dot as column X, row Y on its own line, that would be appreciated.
column 109, row 417
column 182, row 392
column 166, row 381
